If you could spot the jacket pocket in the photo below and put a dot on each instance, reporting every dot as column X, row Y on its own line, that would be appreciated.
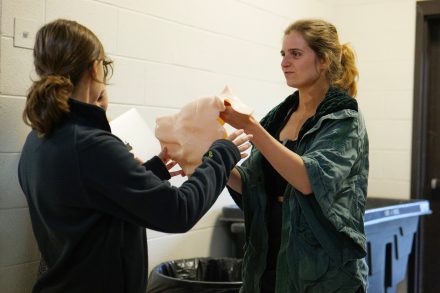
column 313, row 261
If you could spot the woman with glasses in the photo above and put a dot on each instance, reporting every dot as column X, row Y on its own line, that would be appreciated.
column 89, row 199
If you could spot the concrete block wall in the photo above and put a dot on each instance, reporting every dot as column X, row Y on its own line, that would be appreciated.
column 166, row 53
column 383, row 34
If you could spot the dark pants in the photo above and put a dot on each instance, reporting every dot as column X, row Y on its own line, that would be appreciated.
column 269, row 287
column 268, row 282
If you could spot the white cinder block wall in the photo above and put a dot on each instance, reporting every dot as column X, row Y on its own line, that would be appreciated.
column 168, row 52
column 383, row 35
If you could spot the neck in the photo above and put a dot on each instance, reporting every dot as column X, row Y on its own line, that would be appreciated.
column 81, row 92
column 311, row 97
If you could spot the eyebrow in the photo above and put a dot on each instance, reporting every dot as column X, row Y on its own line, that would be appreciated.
column 292, row 50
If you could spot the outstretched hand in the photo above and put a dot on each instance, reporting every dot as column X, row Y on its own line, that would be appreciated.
column 236, row 119
column 165, row 158
column 241, row 140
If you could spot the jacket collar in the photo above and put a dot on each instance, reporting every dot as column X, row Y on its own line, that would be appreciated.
column 335, row 100
column 88, row 115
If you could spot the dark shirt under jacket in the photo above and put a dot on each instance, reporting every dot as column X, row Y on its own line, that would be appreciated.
column 275, row 191
column 90, row 202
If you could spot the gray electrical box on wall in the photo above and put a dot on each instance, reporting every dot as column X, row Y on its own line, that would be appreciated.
column 24, row 32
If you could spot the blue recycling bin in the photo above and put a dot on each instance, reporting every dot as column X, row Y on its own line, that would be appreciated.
column 390, row 226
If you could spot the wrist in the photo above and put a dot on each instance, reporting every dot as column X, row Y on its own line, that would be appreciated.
column 251, row 126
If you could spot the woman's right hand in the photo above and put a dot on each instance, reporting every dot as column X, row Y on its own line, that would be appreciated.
column 241, row 140
column 236, row 119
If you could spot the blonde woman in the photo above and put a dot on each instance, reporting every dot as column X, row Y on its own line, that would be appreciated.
column 303, row 188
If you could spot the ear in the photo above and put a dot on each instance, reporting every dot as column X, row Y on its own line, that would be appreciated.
column 324, row 63
column 94, row 69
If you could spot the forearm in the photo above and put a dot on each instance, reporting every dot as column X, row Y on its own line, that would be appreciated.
column 201, row 190
column 287, row 163
column 234, row 181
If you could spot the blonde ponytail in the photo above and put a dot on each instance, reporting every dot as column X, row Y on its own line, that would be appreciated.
column 349, row 73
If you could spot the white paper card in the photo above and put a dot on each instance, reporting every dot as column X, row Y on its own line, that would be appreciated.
column 132, row 129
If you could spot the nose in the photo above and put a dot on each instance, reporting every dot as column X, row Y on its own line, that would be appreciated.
column 285, row 62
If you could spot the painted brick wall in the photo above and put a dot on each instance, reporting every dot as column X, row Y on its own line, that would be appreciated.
column 383, row 35
column 168, row 52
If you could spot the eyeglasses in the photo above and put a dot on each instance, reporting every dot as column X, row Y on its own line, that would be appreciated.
column 107, row 65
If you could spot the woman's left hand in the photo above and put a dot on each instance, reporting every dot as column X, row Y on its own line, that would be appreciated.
column 241, row 141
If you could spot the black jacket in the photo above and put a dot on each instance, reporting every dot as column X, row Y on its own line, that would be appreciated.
column 90, row 202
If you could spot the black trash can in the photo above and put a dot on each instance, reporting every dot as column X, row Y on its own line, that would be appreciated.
column 233, row 216
column 210, row 275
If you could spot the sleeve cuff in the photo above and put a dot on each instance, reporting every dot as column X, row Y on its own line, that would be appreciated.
column 159, row 169
column 231, row 146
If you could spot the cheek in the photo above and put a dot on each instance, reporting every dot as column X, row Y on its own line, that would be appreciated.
column 104, row 104
column 309, row 67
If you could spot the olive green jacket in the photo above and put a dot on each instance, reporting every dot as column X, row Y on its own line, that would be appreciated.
column 323, row 240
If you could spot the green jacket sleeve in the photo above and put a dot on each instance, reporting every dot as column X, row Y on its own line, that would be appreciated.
column 336, row 162
column 244, row 170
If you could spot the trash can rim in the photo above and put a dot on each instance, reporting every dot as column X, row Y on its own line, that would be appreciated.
column 196, row 281
column 397, row 211
column 200, row 282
